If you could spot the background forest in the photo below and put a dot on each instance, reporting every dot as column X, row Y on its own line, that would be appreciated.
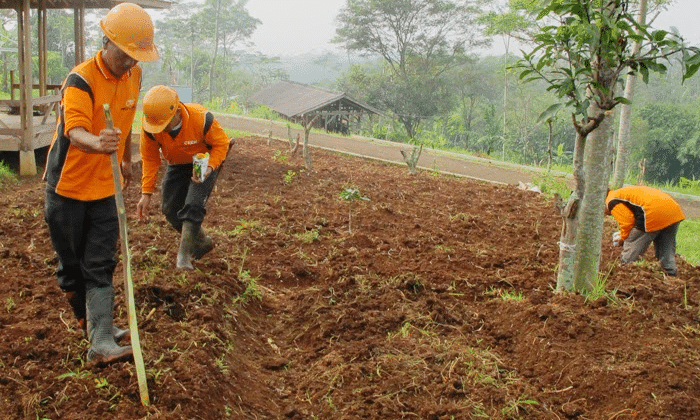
column 434, row 83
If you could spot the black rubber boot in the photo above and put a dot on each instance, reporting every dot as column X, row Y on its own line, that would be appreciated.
column 203, row 244
column 77, row 303
column 76, row 299
column 117, row 333
column 103, row 349
column 187, row 241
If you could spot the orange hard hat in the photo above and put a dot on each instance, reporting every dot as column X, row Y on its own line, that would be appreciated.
column 130, row 28
column 159, row 107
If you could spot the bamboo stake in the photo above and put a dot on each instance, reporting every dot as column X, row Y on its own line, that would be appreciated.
column 128, row 283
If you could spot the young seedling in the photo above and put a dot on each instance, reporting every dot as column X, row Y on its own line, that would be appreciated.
column 351, row 196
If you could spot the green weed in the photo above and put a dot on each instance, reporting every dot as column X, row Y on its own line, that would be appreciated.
column 308, row 237
column 78, row 374
column 504, row 295
column 599, row 289
column 289, row 177
column 252, row 289
column 512, row 296
column 443, row 249
column 512, row 408
column 246, row 228
column 280, row 156
column 9, row 304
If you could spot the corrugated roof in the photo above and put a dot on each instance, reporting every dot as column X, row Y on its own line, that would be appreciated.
column 293, row 99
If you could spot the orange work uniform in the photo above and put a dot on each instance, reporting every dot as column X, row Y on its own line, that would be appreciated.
column 646, row 216
column 645, row 208
column 199, row 133
column 69, row 171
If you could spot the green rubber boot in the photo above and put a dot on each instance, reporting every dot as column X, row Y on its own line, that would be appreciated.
column 103, row 349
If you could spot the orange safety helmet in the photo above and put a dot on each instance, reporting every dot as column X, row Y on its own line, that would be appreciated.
column 159, row 107
column 130, row 28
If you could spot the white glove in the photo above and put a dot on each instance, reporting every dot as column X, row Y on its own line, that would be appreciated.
column 616, row 239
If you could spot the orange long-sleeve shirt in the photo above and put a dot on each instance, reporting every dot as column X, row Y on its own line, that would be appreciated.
column 71, row 172
column 645, row 208
column 200, row 133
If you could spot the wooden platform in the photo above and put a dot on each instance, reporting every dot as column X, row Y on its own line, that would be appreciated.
column 11, row 128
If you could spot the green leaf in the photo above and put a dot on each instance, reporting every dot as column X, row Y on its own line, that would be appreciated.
column 690, row 71
column 550, row 112
column 658, row 36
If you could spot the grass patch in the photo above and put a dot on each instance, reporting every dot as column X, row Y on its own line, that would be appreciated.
column 551, row 184
column 6, row 175
column 688, row 241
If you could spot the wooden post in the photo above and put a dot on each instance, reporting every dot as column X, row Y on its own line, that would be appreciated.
column 27, row 162
column 41, row 35
column 79, row 33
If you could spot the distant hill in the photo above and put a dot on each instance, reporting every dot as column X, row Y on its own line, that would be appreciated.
column 320, row 68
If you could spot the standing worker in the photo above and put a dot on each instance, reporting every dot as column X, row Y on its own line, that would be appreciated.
column 646, row 215
column 80, row 206
column 180, row 131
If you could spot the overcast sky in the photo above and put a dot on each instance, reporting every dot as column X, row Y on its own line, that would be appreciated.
column 291, row 27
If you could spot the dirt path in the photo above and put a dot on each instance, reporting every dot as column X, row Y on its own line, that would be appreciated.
column 431, row 159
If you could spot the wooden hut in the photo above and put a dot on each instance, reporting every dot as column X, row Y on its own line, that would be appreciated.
column 24, row 133
column 297, row 101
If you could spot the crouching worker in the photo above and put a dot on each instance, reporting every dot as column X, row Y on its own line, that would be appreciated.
column 180, row 131
column 646, row 215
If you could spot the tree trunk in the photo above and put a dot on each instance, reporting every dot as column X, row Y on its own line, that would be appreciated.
column 216, row 50
column 589, row 232
column 623, row 142
column 565, row 275
column 549, row 146
column 306, row 152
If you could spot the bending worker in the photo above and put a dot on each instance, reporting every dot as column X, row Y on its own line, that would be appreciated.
column 180, row 131
column 646, row 215
column 80, row 207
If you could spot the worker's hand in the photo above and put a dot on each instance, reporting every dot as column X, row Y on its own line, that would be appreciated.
column 108, row 140
column 616, row 239
column 142, row 207
column 127, row 173
column 196, row 180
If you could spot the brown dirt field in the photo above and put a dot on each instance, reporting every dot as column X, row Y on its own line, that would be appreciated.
column 439, row 304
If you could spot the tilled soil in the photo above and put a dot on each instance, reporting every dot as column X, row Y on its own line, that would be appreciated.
column 432, row 299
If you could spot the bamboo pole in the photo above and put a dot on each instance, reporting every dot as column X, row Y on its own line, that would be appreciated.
column 128, row 283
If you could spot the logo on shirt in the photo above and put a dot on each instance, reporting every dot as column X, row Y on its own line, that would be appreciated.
column 130, row 104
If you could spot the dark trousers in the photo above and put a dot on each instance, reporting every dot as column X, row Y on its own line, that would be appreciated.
column 664, row 241
column 182, row 198
column 84, row 234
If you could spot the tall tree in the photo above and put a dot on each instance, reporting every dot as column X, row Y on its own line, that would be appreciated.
column 419, row 41
column 623, row 136
column 232, row 24
column 512, row 21
column 581, row 59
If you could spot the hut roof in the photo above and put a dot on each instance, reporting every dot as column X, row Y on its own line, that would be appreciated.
column 293, row 99
column 88, row 4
